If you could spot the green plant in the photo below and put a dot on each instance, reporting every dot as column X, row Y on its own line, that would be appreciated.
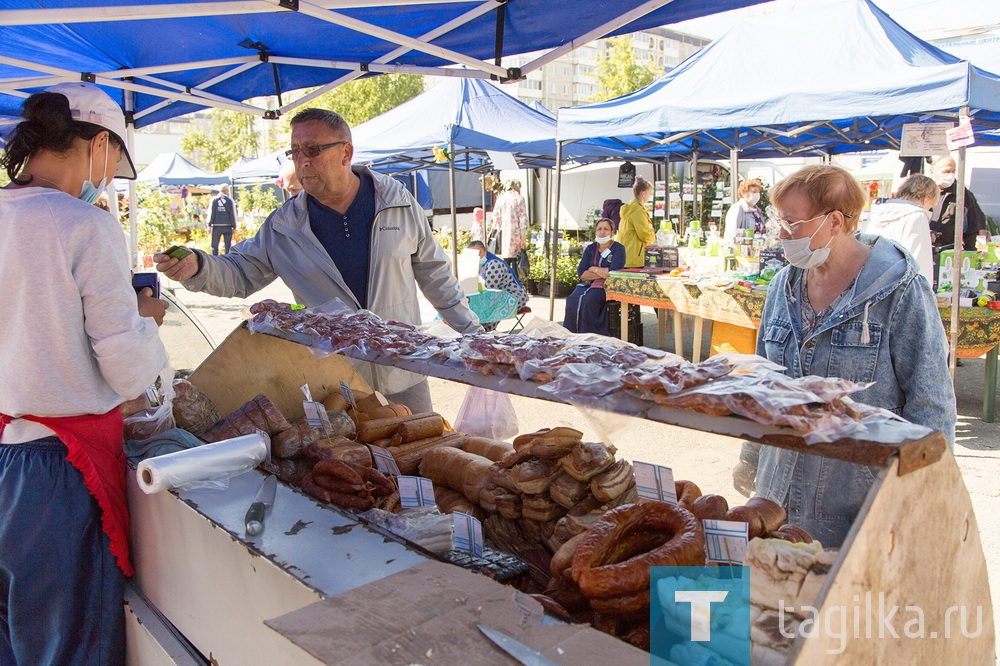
column 443, row 237
column 156, row 224
column 541, row 269
column 256, row 203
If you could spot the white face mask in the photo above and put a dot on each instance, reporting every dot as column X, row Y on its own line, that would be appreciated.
column 799, row 254
column 602, row 239
column 754, row 198
column 90, row 192
column 946, row 180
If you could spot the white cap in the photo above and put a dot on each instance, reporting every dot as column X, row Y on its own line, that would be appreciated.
column 90, row 104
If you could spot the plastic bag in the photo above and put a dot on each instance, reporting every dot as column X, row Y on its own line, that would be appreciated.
column 488, row 414
column 155, row 420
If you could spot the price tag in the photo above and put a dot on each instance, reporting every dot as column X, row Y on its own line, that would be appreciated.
column 153, row 396
column 316, row 415
column 961, row 135
column 384, row 462
column 415, row 492
column 725, row 541
column 468, row 534
column 348, row 394
column 655, row 482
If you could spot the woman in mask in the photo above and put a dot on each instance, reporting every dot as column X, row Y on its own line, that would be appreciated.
column 586, row 307
column 853, row 307
column 74, row 345
column 744, row 214
column 906, row 219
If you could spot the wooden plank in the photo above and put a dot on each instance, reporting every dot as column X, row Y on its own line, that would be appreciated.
column 235, row 373
column 915, row 544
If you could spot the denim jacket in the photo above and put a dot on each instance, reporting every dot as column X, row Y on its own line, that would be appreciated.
column 887, row 331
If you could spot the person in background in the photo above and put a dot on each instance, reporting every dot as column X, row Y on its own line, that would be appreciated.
column 478, row 225
column 587, row 307
column 222, row 219
column 497, row 274
column 612, row 210
column 905, row 219
column 636, row 232
column 510, row 216
column 356, row 236
column 75, row 343
column 744, row 214
column 943, row 215
column 287, row 180
column 852, row 307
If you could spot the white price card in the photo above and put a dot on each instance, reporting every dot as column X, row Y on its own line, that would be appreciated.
column 468, row 534
column 384, row 462
column 655, row 482
column 415, row 492
column 961, row 135
column 306, row 392
column 316, row 415
column 348, row 394
column 725, row 541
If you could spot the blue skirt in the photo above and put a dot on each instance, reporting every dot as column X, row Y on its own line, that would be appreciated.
column 587, row 311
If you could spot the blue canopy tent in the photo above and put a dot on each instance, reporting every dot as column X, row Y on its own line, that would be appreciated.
column 174, row 169
column 840, row 77
column 161, row 59
column 266, row 167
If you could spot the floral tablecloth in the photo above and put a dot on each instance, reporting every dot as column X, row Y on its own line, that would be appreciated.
column 493, row 305
column 979, row 328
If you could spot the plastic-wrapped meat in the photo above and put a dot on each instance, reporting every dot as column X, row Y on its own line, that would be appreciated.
column 193, row 411
column 293, row 441
column 258, row 413
column 289, row 471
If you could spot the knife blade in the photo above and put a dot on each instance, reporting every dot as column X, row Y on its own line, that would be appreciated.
column 254, row 519
column 524, row 654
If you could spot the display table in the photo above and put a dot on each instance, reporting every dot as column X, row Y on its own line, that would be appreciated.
column 978, row 333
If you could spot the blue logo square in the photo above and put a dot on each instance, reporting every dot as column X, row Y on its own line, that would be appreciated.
column 700, row 615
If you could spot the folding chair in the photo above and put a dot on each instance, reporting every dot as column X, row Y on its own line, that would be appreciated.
column 519, row 322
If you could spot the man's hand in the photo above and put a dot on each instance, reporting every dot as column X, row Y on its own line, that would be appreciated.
column 177, row 269
column 152, row 307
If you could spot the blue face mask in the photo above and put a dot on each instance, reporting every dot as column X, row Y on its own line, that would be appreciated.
column 90, row 192
column 482, row 262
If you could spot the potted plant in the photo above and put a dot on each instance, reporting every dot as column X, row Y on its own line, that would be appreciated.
column 566, row 277
column 538, row 271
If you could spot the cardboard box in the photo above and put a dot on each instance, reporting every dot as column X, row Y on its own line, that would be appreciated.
column 770, row 254
column 946, row 268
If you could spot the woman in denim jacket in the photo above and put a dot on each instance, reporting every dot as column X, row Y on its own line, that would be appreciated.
column 853, row 307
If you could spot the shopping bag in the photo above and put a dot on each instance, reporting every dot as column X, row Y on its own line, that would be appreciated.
column 523, row 265
column 486, row 413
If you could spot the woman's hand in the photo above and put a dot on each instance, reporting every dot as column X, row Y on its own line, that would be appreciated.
column 151, row 307
column 590, row 274
column 177, row 269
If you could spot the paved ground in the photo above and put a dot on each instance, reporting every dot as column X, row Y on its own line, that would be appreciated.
column 704, row 458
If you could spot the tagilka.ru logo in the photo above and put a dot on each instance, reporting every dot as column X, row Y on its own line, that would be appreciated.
column 700, row 615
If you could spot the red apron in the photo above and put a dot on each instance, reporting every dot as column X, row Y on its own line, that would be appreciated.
column 95, row 449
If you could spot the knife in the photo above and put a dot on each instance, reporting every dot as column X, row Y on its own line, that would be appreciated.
column 524, row 654
column 265, row 497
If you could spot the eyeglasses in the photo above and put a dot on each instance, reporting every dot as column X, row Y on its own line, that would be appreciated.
column 788, row 226
column 310, row 151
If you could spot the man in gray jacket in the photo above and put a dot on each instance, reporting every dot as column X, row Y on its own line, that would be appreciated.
column 353, row 235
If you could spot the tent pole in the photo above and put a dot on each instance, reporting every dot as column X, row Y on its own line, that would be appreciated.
column 666, row 192
column 696, row 203
column 555, row 234
column 956, row 278
column 133, row 196
column 454, row 208
column 734, row 174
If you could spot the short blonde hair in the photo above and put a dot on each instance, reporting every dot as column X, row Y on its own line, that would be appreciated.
column 828, row 188
column 745, row 186
column 918, row 187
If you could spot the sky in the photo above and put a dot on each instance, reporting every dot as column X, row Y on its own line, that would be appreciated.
column 917, row 16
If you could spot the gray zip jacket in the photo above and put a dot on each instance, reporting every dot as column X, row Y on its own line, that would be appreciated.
column 404, row 254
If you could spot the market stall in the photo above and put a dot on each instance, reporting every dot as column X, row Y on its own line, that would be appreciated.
column 318, row 562
column 738, row 309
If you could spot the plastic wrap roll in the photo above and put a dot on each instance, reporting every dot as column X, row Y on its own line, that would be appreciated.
column 204, row 465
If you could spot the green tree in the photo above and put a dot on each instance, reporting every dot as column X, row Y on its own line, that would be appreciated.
column 363, row 99
column 232, row 136
column 618, row 71
column 155, row 225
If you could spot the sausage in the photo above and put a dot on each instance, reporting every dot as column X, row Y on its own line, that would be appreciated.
column 422, row 428
column 369, row 431
column 687, row 492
